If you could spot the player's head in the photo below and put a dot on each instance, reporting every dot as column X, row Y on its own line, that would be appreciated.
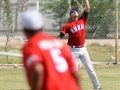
column 32, row 22
column 74, row 13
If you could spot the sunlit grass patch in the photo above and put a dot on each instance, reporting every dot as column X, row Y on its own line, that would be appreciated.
column 101, row 53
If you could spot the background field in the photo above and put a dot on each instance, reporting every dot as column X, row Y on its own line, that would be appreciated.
column 100, row 36
column 99, row 52
column 109, row 77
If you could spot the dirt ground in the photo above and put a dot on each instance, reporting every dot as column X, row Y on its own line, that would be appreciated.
column 18, row 41
column 100, row 41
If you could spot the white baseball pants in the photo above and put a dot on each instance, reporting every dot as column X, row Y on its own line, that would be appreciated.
column 82, row 54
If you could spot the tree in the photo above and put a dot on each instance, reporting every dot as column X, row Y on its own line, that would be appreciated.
column 6, row 18
column 119, row 13
column 100, row 18
column 58, row 10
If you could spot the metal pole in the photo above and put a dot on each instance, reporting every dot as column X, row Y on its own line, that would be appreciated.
column 37, row 4
column 116, row 30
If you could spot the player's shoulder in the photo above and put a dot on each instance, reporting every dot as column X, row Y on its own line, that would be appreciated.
column 31, row 43
column 67, row 24
column 28, row 46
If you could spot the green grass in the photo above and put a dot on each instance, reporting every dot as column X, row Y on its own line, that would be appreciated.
column 101, row 53
column 96, row 52
column 13, row 48
column 12, row 79
column 109, row 77
column 11, row 59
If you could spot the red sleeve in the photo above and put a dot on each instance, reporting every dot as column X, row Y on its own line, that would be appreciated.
column 70, row 59
column 31, row 56
column 65, row 29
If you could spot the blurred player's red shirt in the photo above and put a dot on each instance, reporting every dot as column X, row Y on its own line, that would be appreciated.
column 76, row 31
column 56, row 59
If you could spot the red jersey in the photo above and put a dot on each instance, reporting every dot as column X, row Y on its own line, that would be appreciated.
column 56, row 59
column 76, row 31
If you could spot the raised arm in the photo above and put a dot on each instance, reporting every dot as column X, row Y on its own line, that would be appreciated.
column 87, row 5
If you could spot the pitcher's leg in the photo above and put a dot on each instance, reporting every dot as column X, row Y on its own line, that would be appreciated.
column 75, row 53
column 79, row 63
column 90, row 70
column 76, row 57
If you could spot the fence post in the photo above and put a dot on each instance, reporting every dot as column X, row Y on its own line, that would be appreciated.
column 38, row 6
column 116, row 31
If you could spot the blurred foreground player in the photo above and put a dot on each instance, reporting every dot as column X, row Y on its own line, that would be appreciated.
column 48, row 62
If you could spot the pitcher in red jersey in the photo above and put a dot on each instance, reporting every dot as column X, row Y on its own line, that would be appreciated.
column 47, row 61
column 76, row 29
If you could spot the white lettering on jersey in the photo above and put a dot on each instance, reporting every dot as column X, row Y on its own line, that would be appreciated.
column 82, row 26
column 59, row 61
column 49, row 44
column 77, row 28
column 72, row 30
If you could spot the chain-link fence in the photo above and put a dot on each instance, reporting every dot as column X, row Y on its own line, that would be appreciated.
column 101, row 22
column 100, row 35
column 100, row 27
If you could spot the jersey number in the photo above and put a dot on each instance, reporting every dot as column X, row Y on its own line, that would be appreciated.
column 59, row 61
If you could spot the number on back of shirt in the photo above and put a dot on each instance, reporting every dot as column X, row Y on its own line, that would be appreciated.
column 59, row 61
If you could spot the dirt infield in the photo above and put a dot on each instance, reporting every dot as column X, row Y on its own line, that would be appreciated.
column 18, row 41
column 100, row 41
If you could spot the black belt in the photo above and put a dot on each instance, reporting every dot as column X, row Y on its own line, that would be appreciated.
column 77, row 46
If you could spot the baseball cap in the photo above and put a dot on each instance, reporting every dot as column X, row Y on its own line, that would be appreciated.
column 73, row 10
column 32, row 20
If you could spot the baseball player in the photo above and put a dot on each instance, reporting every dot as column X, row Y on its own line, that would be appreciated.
column 76, row 29
column 47, row 65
